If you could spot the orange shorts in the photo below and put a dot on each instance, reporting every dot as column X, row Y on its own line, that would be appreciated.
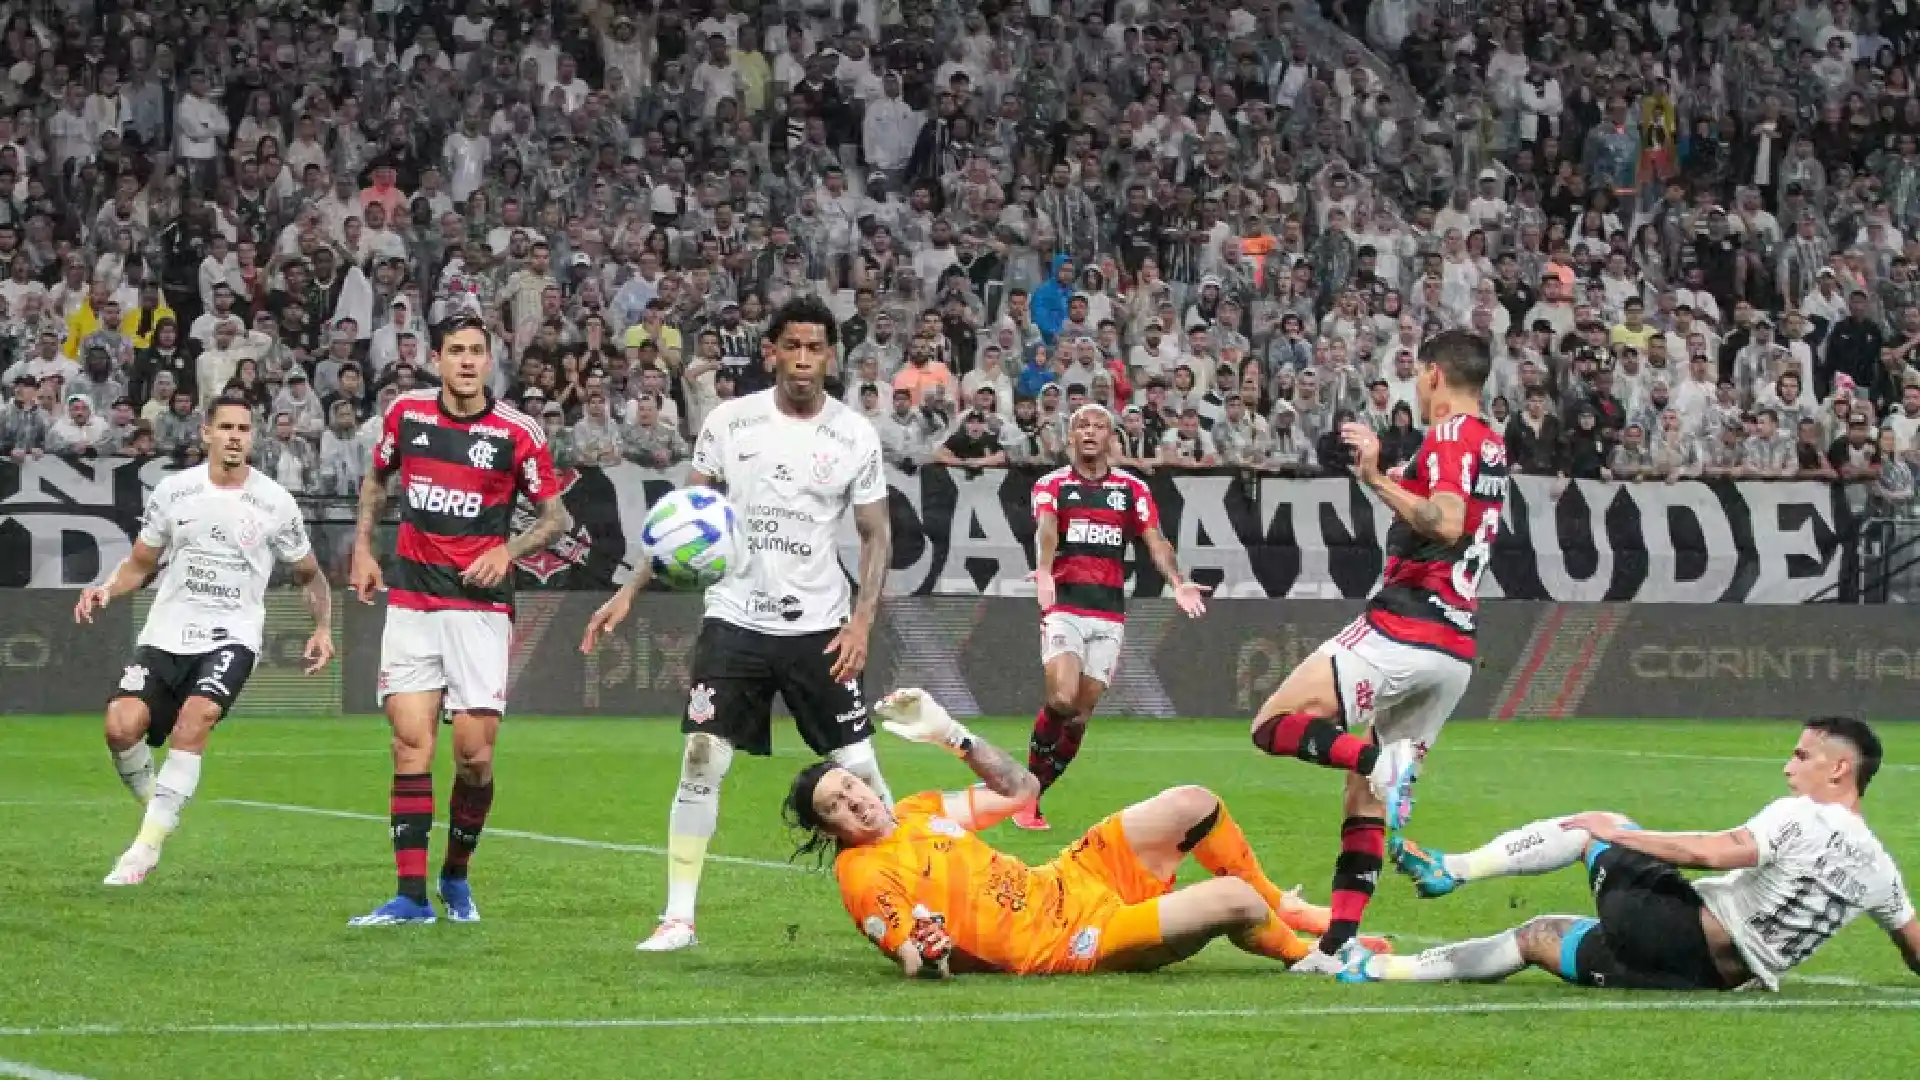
column 1126, row 917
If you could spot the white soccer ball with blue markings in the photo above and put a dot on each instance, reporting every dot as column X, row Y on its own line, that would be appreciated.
column 690, row 538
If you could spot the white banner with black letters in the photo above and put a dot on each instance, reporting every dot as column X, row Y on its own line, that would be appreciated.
column 65, row 523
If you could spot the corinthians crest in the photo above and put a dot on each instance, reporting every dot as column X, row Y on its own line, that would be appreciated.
column 566, row 553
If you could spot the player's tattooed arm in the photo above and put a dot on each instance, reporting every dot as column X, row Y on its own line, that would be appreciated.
column 1164, row 560
column 875, row 526
column 373, row 502
column 1442, row 517
column 314, row 589
column 554, row 521
column 998, row 770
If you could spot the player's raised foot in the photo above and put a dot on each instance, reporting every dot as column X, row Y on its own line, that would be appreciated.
column 1428, row 869
column 398, row 911
column 1031, row 819
column 135, row 864
column 1356, row 968
column 1302, row 916
column 1392, row 781
column 671, row 935
column 456, row 894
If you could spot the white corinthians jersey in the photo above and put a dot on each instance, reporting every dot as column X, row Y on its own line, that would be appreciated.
column 1820, row 867
column 217, row 550
column 790, row 482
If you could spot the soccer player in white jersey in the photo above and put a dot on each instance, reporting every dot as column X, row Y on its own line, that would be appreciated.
column 213, row 534
column 793, row 460
column 1800, row 870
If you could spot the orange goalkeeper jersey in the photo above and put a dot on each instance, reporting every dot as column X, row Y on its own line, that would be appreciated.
column 1002, row 914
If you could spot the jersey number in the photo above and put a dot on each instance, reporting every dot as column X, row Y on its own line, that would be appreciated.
column 1808, row 918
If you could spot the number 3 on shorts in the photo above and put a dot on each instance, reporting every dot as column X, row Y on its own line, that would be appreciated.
column 1472, row 565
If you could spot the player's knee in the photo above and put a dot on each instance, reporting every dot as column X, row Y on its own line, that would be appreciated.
column 707, row 756
column 1063, row 700
column 1238, row 902
column 1191, row 802
column 197, row 718
column 126, row 723
column 473, row 764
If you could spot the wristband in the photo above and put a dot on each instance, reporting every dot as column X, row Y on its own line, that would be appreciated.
column 959, row 740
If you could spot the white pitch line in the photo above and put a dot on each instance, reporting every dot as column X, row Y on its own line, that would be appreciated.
column 20, row 1070
column 1485, row 1008
column 1604, row 751
column 517, row 834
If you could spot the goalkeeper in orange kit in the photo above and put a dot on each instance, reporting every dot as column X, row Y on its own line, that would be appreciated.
column 938, row 900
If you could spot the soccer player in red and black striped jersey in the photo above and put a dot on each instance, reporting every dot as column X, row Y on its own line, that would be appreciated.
column 462, row 459
column 1085, row 516
column 1398, row 671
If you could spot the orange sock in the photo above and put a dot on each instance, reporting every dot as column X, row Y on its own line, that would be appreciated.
column 1222, row 848
column 1273, row 940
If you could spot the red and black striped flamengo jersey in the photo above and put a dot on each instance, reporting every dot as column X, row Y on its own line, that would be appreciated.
column 1097, row 519
column 458, row 479
column 1428, row 595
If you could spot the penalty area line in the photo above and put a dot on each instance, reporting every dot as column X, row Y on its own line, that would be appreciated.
column 519, row 834
column 1485, row 1008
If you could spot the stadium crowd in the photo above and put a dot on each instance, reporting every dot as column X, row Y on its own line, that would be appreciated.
column 1691, row 236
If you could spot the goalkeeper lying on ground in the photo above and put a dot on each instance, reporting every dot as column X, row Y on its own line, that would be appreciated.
column 937, row 899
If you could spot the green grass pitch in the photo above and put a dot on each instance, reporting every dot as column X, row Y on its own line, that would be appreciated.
column 234, row 960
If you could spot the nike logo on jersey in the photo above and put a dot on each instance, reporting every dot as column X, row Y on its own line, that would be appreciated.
column 421, row 439
column 749, row 457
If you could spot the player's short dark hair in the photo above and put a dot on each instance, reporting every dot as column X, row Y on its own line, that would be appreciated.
column 453, row 324
column 1462, row 357
column 815, row 842
column 1858, row 734
column 231, row 396
column 803, row 310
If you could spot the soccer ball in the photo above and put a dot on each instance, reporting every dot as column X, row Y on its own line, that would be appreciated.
column 689, row 538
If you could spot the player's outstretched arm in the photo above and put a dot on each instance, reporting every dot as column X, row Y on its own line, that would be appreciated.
column 1734, row 849
column 1190, row 597
column 131, row 575
column 608, row 616
column 1007, row 786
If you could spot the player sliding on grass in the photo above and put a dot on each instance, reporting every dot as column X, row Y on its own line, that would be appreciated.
column 1085, row 516
column 935, row 898
column 1801, row 870
column 1399, row 670
column 219, row 528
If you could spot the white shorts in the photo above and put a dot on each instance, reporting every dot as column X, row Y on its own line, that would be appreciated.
column 1400, row 691
column 464, row 653
column 1095, row 641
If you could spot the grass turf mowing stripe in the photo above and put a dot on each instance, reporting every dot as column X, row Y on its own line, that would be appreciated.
column 516, row 834
column 20, row 1070
column 1594, row 1004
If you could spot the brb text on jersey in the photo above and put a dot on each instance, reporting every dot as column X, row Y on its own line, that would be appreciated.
column 1096, row 519
column 1428, row 595
column 459, row 477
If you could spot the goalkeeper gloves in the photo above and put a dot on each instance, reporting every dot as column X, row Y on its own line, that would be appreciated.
column 913, row 715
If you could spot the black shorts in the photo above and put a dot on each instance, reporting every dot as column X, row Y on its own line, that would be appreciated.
column 736, row 673
column 1648, row 935
column 165, row 681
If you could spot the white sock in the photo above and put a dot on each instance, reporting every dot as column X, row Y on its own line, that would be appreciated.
column 696, row 813
column 1487, row 959
column 859, row 759
column 1539, row 848
column 178, row 777
column 135, row 766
